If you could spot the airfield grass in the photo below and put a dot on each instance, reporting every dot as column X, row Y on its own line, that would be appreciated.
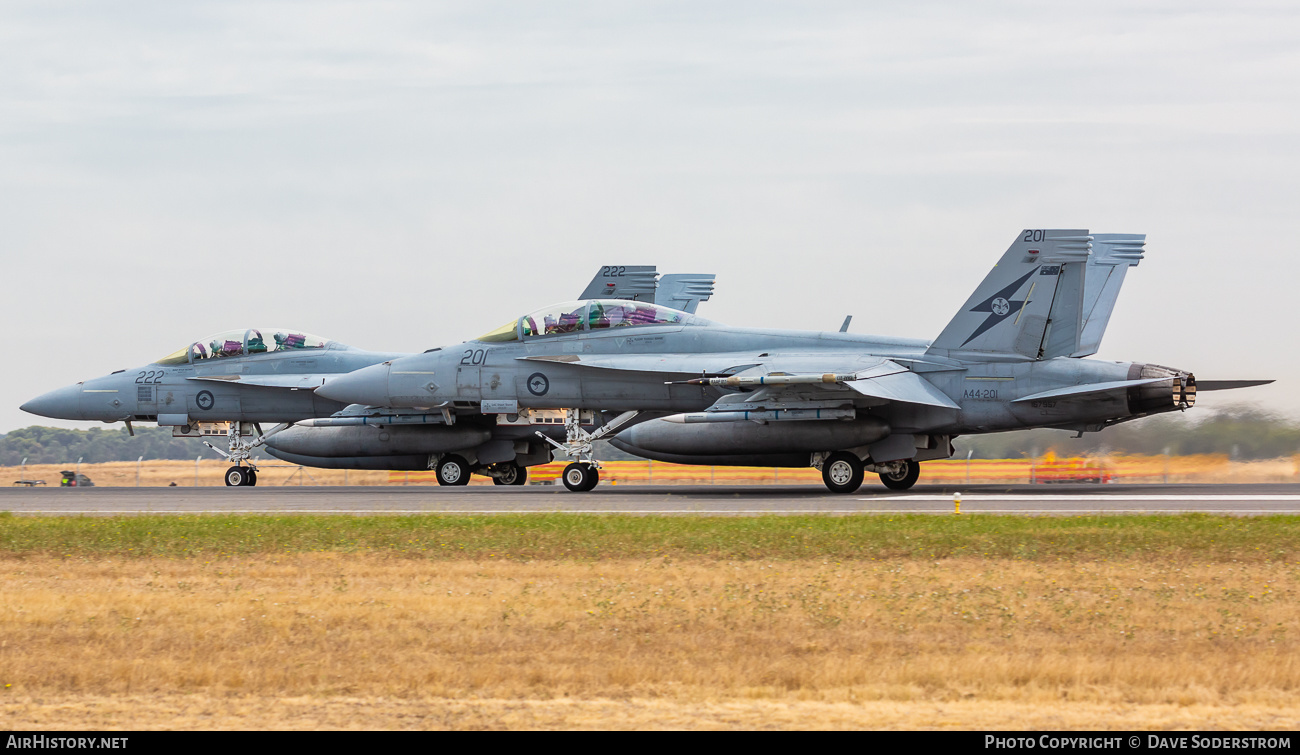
column 581, row 537
column 563, row 621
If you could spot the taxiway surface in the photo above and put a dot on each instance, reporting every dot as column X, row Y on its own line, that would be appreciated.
column 660, row 499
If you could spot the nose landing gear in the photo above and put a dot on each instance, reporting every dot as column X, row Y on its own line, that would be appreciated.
column 243, row 474
column 579, row 477
column 241, row 477
column 583, row 474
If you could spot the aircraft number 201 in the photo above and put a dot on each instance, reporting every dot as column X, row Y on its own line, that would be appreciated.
column 613, row 271
column 1035, row 236
column 473, row 356
column 150, row 377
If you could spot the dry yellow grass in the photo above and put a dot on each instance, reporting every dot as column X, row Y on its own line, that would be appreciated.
column 335, row 641
column 210, row 471
column 205, row 711
column 1188, row 469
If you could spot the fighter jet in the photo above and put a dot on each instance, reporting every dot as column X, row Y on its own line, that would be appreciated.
column 229, row 383
column 666, row 384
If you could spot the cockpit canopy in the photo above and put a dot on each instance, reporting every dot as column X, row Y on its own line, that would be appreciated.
column 237, row 343
column 593, row 314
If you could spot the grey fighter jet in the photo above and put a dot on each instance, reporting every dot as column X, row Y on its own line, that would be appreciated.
column 228, row 384
column 666, row 384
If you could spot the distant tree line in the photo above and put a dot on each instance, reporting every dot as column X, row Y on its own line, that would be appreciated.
column 1242, row 432
column 56, row 445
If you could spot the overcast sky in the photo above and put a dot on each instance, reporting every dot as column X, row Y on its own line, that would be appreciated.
column 400, row 175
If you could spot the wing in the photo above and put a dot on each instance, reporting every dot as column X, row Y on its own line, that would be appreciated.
column 789, row 382
column 292, row 382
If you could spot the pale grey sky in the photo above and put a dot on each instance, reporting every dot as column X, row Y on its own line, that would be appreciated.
column 400, row 175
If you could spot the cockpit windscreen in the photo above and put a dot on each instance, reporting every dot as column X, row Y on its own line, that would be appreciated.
column 595, row 314
column 235, row 343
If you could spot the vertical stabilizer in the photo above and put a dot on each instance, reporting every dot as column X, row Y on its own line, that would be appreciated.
column 1031, row 304
column 635, row 282
column 1112, row 255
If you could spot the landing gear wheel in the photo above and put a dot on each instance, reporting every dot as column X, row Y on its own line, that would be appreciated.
column 453, row 470
column 252, row 477
column 511, row 474
column 237, row 477
column 904, row 479
column 842, row 472
column 580, row 477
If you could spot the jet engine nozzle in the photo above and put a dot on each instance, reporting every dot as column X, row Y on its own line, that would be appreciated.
column 1176, row 393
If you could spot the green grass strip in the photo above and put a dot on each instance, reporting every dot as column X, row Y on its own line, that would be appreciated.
column 1198, row 537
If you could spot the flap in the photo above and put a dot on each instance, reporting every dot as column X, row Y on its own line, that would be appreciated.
column 904, row 387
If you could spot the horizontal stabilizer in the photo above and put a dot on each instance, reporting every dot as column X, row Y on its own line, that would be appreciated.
column 904, row 387
column 1228, row 385
column 292, row 382
column 684, row 291
column 1076, row 391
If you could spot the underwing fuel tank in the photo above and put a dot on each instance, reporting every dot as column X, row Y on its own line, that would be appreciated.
column 416, row 462
column 384, row 440
column 733, row 438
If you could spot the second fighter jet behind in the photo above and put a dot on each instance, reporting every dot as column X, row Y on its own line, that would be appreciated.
column 665, row 384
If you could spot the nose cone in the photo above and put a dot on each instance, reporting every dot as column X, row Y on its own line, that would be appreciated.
column 64, row 403
column 368, row 385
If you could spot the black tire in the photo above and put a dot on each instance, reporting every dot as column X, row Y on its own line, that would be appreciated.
column 904, row 480
column 236, row 477
column 842, row 472
column 580, row 478
column 252, row 477
column 510, row 474
column 453, row 471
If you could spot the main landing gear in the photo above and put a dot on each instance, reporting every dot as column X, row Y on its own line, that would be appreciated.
column 452, row 470
column 583, row 474
column 243, row 474
column 843, row 472
column 508, row 473
column 902, row 474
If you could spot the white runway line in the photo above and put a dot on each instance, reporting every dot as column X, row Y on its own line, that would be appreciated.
column 1067, row 497
column 284, row 512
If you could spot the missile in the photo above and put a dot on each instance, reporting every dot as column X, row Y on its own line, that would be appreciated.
column 775, row 415
column 738, row 380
